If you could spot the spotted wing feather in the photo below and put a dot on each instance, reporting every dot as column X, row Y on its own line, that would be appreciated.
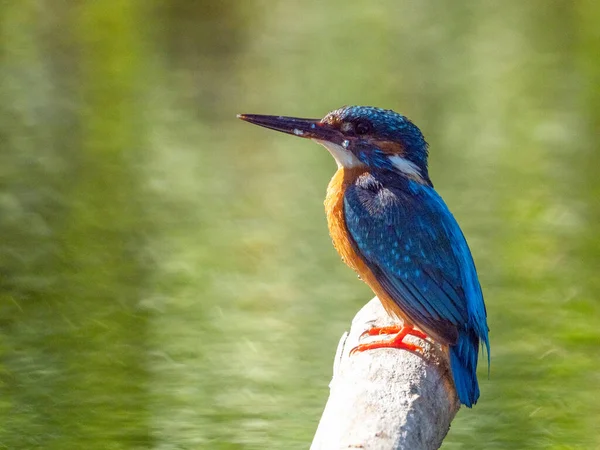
column 412, row 243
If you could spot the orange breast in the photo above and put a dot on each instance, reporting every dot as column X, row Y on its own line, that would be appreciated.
column 334, row 207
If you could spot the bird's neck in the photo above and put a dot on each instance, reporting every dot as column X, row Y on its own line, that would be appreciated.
column 338, row 184
column 334, row 208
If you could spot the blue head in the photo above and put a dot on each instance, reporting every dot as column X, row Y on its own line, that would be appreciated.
column 379, row 139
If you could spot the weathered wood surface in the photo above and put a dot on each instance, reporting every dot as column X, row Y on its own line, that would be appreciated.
column 386, row 399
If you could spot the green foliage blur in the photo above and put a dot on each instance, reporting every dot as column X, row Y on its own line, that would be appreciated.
column 166, row 277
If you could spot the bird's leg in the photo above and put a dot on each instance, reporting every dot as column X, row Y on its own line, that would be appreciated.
column 395, row 342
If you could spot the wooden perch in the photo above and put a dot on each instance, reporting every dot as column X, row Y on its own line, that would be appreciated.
column 386, row 399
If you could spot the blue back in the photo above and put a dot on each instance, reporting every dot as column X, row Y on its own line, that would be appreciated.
column 411, row 242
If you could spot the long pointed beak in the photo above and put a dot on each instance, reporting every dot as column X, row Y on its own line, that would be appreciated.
column 306, row 128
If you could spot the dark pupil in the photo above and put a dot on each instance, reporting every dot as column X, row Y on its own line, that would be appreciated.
column 362, row 128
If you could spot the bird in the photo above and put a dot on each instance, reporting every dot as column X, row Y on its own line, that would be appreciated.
column 388, row 223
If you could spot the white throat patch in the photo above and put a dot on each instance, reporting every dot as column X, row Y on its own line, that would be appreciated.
column 343, row 157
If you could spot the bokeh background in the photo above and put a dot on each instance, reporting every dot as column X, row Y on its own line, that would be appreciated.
column 166, row 277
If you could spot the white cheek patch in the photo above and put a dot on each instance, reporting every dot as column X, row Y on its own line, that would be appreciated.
column 405, row 166
column 343, row 157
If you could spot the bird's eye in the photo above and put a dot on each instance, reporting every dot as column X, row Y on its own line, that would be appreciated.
column 362, row 127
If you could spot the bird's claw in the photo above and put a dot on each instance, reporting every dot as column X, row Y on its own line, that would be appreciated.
column 395, row 342
column 393, row 329
column 387, row 344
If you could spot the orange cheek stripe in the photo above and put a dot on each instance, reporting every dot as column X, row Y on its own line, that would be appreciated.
column 389, row 147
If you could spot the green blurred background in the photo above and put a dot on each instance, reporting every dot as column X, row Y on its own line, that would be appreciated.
column 166, row 277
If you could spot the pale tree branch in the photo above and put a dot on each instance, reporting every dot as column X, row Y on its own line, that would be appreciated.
column 386, row 399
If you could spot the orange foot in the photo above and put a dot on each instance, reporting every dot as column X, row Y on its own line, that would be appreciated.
column 396, row 342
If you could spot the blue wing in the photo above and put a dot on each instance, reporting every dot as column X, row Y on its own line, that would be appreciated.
column 413, row 245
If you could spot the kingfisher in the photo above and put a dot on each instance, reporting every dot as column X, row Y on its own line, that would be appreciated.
column 389, row 224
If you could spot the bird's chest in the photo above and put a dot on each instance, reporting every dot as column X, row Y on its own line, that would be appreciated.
column 334, row 208
column 342, row 241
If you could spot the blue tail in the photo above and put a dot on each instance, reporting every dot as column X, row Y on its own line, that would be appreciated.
column 463, row 362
